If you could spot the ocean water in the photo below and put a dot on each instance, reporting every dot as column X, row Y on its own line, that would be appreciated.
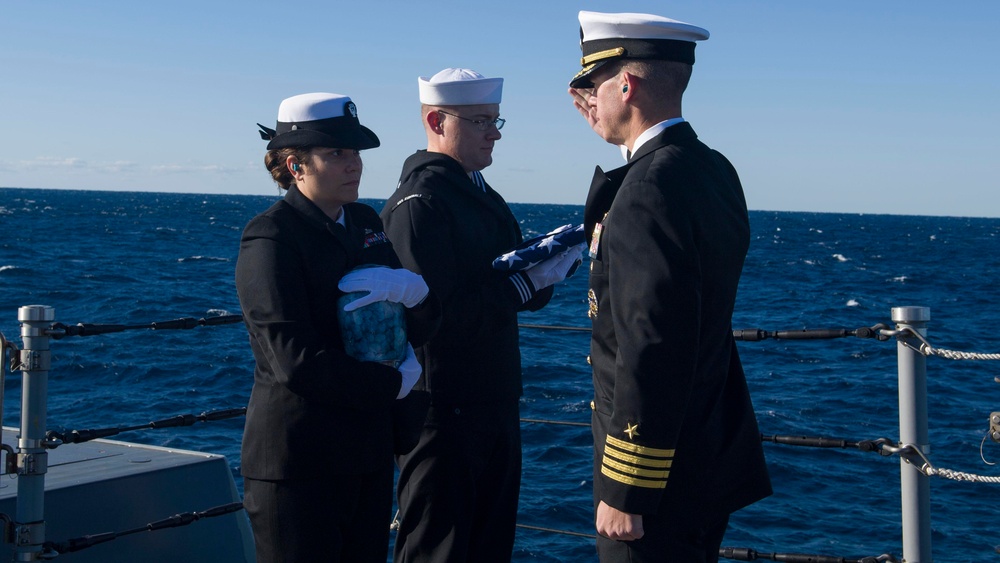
column 137, row 258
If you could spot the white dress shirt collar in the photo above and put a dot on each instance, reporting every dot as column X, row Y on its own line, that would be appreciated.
column 649, row 134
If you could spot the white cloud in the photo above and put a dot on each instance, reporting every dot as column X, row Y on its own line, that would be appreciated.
column 193, row 168
column 79, row 165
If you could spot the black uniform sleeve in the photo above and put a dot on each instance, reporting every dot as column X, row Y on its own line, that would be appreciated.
column 654, row 286
column 423, row 321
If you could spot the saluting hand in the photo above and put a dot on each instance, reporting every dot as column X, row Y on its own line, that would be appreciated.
column 581, row 101
column 617, row 525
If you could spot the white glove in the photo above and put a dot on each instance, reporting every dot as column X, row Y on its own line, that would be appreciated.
column 555, row 269
column 384, row 284
column 410, row 370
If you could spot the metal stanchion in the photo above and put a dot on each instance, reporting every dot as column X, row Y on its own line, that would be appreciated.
column 32, row 457
column 914, row 485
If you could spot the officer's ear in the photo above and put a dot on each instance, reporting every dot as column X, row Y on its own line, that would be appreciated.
column 628, row 83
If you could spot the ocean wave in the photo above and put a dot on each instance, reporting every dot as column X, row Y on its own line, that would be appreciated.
column 204, row 258
column 219, row 312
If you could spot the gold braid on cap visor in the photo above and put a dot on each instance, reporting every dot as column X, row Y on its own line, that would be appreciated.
column 601, row 55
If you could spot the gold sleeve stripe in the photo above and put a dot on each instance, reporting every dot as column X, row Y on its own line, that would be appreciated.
column 637, row 471
column 637, row 460
column 633, row 481
column 637, row 449
column 601, row 55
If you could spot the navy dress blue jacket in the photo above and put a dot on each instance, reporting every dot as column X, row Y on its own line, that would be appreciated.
column 314, row 411
column 450, row 230
column 674, row 429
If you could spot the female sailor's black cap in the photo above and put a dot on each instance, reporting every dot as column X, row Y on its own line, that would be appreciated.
column 318, row 120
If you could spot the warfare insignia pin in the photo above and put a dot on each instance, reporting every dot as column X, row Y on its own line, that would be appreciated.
column 592, row 301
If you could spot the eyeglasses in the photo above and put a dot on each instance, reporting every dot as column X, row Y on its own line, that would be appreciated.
column 481, row 124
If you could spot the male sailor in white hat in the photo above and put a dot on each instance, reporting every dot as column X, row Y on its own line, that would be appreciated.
column 676, row 443
column 458, row 488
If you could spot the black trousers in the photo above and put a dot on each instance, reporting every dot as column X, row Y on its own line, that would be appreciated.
column 663, row 543
column 341, row 519
column 458, row 488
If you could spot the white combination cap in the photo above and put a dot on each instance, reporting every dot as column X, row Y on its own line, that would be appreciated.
column 605, row 37
column 459, row 87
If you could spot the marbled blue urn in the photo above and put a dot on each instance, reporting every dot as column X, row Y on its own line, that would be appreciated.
column 375, row 332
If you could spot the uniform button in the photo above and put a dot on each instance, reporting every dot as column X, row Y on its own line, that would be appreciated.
column 592, row 406
column 458, row 411
column 588, row 360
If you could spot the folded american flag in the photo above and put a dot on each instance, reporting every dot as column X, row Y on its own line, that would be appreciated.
column 540, row 248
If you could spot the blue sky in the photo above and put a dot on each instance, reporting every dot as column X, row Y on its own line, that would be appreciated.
column 849, row 106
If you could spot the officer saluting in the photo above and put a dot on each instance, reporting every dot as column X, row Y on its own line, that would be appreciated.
column 676, row 444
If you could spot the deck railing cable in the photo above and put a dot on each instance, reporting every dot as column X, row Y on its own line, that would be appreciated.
column 58, row 331
column 56, row 438
column 927, row 349
column 746, row 554
column 878, row 332
column 51, row 549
